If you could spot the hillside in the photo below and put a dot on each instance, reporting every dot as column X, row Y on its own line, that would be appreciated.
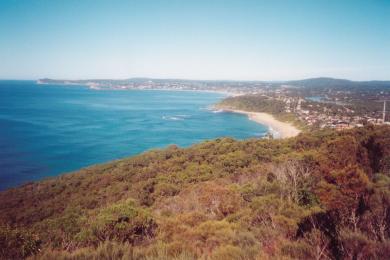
column 320, row 195
column 254, row 103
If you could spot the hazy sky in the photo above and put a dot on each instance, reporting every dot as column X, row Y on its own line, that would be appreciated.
column 246, row 40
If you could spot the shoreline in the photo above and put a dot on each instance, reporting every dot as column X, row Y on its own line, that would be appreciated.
column 92, row 87
column 278, row 128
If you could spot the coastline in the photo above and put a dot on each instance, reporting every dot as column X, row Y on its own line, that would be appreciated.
column 118, row 88
column 278, row 128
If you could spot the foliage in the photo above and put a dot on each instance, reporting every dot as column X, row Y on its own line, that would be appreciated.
column 16, row 243
column 324, row 194
column 255, row 103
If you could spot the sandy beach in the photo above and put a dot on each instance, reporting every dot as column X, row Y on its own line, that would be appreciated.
column 278, row 128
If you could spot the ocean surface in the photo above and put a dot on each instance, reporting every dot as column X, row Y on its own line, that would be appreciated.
column 46, row 130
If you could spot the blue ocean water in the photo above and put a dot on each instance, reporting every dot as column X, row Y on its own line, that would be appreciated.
column 46, row 130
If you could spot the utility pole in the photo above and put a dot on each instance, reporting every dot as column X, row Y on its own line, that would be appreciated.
column 384, row 110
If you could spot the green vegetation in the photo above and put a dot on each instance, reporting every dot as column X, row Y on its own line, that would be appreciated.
column 254, row 103
column 324, row 194
column 263, row 104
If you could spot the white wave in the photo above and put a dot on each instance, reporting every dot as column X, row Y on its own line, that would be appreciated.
column 176, row 118
column 274, row 133
column 173, row 118
column 217, row 111
column 209, row 108
column 183, row 116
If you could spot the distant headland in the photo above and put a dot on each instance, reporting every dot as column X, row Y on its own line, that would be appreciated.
column 225, row 86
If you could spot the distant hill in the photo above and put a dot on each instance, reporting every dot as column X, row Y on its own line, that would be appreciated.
column 321, row 82
column 336, row 83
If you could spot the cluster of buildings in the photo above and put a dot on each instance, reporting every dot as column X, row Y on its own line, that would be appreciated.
column 233, row 88
column 324, row 115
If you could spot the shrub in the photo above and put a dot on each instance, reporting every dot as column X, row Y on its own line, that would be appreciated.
column 123, row 222
column 105, row 250
column 227, row 252
column 17, row 243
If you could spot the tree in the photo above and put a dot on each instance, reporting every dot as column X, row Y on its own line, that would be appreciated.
column 294, row 177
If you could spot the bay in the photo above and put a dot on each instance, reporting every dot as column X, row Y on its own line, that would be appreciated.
column 46, row 130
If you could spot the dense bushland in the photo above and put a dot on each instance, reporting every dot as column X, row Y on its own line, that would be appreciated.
column 255, row 103
column 320, row 195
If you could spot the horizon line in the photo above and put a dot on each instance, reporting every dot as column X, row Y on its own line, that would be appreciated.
column 189, row 79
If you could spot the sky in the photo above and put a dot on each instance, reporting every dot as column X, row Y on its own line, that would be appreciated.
column 199, row 39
